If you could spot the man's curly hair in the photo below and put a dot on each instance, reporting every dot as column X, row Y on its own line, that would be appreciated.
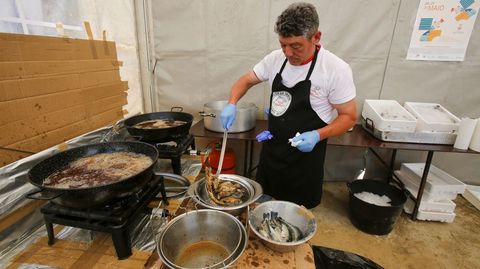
column 299, row 19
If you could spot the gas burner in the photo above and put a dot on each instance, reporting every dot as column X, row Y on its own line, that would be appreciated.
column 115, row 218
column 174, row 150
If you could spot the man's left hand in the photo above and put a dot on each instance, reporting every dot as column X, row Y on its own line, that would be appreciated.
column 308, row 140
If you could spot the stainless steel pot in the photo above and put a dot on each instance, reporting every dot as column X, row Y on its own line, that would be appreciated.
column 244, row 120
column 179, row 241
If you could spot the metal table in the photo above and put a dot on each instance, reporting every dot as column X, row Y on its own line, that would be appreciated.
column 358, row 137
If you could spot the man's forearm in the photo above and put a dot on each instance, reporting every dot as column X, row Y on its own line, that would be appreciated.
column 241, row 86
column 337, row 127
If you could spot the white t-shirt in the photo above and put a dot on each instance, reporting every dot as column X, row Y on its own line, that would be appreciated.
column 332, row 81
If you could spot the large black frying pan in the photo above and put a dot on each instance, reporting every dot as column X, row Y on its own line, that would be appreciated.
column 163, row 134
column 91, row 196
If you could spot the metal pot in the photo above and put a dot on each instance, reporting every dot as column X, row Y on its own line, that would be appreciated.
column 180, row 240
column 244, row 120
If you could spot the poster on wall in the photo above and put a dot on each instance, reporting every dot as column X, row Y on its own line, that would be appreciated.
column 442, row 30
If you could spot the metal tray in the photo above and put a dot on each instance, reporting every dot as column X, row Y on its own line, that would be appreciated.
column 416, row 137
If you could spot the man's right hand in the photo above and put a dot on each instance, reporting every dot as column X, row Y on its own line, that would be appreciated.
column 228, row 115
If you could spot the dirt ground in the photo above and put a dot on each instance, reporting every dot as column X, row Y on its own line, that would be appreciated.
column 411, row 244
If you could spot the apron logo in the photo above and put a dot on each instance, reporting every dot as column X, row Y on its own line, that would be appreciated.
column 280, row 103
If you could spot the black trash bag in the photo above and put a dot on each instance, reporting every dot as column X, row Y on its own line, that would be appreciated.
column 329, row 258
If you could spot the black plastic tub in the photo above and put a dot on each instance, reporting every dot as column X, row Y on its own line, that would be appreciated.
column 371, row 218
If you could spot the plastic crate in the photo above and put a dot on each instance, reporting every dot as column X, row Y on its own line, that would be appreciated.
column 438, row 181
column 388, row 115
column 433, row 117
column 412, row 187
column 445, row 206
column 436, row 216
column 472, row 194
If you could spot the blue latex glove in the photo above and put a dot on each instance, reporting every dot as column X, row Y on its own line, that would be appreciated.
column 228, row 115
column 264, row 136
column 308, row 140
column 266, row 111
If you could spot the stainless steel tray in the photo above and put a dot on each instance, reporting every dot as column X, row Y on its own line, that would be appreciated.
column 416, row 137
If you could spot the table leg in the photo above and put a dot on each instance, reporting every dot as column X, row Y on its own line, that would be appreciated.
column 245, row 159
column 422, row 184
column 392, row 163
column 250, row 160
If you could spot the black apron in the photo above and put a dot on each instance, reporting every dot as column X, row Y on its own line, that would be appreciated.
column 285, row 172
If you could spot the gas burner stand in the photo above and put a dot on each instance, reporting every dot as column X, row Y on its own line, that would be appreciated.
column 115, row 218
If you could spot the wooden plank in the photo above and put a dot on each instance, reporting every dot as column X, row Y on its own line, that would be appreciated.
column 12, row 218
column 25, row 70
column 74, row 254
column 54, row 137
column 8, row 156
column 9, row 51
column 23, row 88
column 91, row 79
column 27, row 128
column 11, row 111
column 40, row 48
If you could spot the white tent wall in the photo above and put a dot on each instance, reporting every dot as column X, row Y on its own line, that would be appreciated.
column 202, row 47
column 117, row 17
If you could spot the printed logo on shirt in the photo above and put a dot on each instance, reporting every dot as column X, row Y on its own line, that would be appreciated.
column 280, row 103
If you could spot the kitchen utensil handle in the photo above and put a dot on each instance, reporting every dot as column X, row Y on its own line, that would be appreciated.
column 203, row 114
column 222, row 153
column 40, row 195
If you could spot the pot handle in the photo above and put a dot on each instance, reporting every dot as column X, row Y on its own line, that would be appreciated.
column 41, row 195
column 203, row 114
column 180, row 109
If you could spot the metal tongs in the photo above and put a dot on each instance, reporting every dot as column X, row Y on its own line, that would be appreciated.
column 222, row 153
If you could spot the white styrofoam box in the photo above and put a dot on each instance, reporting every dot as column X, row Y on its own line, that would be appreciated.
column 438, row 181
column 433, row 117
column 436, row 216
column 412, row 187
column 388, row 115
column 446, row 206
column 472, row 194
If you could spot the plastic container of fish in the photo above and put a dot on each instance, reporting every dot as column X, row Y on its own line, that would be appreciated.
column 433, row 117
column 438, row 181
column 293, row 214
column 388, row 115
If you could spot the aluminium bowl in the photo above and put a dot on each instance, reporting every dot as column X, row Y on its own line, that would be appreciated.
column 290, row 212
column 198, row 192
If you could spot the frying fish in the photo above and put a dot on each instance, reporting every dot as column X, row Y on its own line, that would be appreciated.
column 278, row 229
column 223, row 192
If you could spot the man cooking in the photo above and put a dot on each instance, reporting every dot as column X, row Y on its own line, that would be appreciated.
column 309, row 83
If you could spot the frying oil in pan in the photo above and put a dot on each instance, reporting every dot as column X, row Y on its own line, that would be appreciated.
column 201, row 254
